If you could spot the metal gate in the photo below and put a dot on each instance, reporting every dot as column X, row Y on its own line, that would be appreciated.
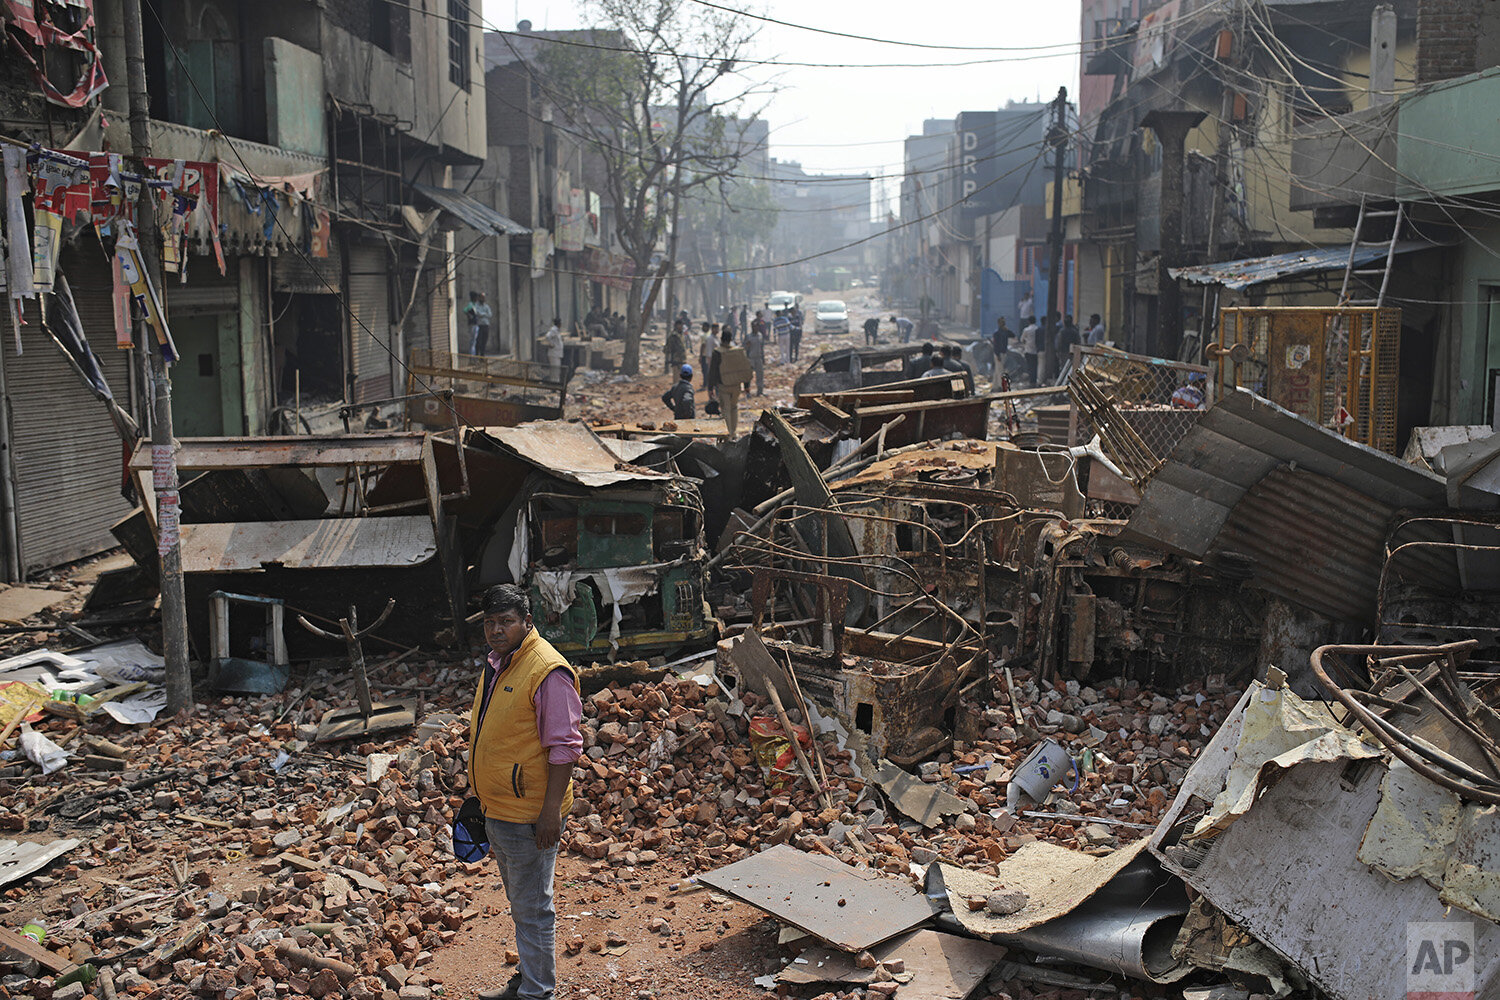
column 1337, row 367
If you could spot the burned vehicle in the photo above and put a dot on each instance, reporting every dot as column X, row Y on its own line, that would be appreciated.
column 611, row 553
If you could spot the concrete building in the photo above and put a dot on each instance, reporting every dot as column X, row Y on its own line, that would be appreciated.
column 310, row 130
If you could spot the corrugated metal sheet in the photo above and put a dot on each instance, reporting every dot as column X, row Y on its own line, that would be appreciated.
column 335, row 543
column 1278, row 267
column 1310, row 506
column 472, row 212
column 1316, row 543
column 572, row 452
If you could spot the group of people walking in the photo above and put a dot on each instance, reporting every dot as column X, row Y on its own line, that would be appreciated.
column 1031, row 343
column 727, row 370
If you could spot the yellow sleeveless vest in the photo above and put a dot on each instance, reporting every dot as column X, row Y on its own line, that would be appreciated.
column 507, row 763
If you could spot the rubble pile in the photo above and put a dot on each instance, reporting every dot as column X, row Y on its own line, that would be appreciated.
column 325, row 873
column 668, row 771
column 329, row 869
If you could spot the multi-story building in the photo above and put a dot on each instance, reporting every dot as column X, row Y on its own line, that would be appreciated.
column 305, row 134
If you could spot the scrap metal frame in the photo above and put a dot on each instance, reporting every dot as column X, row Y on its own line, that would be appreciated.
column 355, row 452
column 1436, row 766
column 1393, row 550
column 785, row 557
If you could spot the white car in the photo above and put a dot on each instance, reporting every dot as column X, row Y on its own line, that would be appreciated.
column 831, row 316
column 780, row 301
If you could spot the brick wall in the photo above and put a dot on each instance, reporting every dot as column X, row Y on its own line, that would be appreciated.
column 1447, row 31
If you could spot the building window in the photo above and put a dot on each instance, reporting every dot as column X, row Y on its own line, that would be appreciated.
column 390, row 28
column 458, row 42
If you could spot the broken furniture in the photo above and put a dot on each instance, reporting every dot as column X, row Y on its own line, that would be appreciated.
column 900, row 692
column 316, row 565
column 243, row 675
column 485, row 391
column 370, row 717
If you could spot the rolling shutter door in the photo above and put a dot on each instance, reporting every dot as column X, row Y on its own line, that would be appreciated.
column 294, row 272
column 206, row 290
column 68, row 458
column 439, row 309
column 369, row 307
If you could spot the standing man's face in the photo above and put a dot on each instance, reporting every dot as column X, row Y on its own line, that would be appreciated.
column 504, row 631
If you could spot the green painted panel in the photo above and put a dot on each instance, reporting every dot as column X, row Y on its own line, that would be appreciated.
column 1448, row 138
column 614, row 533
column 197, row 408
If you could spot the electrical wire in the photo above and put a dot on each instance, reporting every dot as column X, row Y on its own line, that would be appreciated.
column 888, row 41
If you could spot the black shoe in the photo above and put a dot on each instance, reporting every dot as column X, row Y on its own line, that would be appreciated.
column 512, row 989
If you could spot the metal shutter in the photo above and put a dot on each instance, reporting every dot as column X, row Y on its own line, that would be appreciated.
column 369, row 321
column 292, row 272
column 438, row 308
column 206, row 290
column 68, row 458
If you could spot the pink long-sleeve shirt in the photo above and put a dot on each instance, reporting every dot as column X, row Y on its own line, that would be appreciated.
column 559, row 713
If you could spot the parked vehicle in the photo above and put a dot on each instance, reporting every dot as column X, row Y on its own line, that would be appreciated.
column 779, row 301
column 831, row 316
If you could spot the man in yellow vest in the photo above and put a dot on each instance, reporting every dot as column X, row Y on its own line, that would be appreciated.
column 524, row 737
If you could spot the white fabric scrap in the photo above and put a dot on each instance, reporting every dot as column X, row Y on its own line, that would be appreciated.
column 42, row 751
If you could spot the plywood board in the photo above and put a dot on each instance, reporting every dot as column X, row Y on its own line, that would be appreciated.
column 19, row 603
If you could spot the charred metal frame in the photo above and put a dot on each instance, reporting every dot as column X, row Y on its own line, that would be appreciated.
column 1433, row 764
column 1385, row 626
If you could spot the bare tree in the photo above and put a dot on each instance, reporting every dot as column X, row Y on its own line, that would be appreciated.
column 665, row 112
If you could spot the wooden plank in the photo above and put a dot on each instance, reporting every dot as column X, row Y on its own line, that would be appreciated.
column 16, row 944
column 332, row 451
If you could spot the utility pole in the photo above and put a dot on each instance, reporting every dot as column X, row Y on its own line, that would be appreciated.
column 163, row 447
column 1057, row 138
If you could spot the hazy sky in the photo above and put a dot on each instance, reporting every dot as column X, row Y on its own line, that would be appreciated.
column 854, row 120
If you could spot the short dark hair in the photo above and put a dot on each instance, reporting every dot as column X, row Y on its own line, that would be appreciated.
column 505, row 597
column 927, row 347
column 947, row 350
column 937, row 361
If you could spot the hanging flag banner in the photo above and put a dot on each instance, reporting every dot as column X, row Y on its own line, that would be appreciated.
column 133, row 271
column 43, row 34
column 192, row 210
column 541, row 250
column 52, row 182
column 322, row 230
